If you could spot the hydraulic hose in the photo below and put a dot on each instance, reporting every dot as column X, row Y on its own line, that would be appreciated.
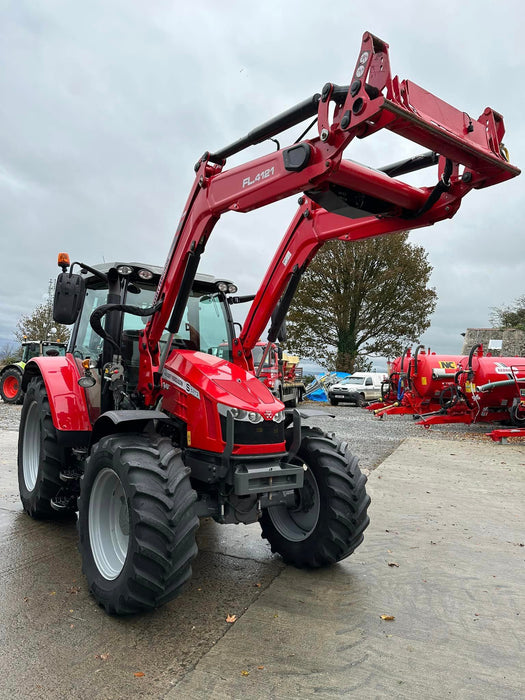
column 442, row 186
column 95, row 320
column 471, row 356
column 400, row 393
column 419, row 347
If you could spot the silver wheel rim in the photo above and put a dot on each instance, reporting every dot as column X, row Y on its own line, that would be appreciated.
column 31, row 450
column 108, row 519
column 297, row 524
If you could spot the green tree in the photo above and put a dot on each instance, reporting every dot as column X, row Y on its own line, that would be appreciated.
column 512, row 316
column 368, row 297
column 39, row 325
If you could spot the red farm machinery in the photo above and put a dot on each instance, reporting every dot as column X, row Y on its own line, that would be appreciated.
column 143, row 427
column 485, row 389
column 439, row 389
column 417, row 383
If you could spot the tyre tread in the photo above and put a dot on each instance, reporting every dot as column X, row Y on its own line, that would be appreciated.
column 342, row 524
column 162, row 503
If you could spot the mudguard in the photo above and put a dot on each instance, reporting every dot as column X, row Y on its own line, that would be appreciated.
column 12, row 365
column 66, row 399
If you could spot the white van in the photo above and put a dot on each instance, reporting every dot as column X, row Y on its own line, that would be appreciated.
column 359, row 388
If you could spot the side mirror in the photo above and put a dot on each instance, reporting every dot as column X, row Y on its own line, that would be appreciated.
column 69, row 295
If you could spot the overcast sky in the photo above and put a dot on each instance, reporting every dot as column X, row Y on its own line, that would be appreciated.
column 107, row 104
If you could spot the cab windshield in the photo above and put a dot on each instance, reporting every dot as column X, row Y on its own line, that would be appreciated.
column 352, row 380
column 52, row 349
column 204, row 325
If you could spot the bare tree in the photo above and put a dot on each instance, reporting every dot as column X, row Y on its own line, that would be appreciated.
column 512, row 316
column 39, row 325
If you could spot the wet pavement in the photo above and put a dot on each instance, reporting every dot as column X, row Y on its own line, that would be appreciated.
column 443, row 555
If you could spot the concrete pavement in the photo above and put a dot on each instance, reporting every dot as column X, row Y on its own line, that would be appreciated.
column 443, row 555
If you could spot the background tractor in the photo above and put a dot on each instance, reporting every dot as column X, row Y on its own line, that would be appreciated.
column 11, row 374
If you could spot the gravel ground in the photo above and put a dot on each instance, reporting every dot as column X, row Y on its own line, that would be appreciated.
column 374, row 439
column 370, row 438
column 9, row 416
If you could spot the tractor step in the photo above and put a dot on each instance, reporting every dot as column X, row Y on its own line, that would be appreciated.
column 64, row 502
column 70, row 474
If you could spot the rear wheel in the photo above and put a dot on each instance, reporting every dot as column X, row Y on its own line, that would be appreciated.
column 329, row 516
column 137, row 522
column 361, row 401
column 11, row 386
column 39, row 455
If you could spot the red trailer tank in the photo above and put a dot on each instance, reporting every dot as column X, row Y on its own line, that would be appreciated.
column 419, row 382
column 485, row 389
column 493, row 387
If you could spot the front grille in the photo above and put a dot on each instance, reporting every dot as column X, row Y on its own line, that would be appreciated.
column 245, row 433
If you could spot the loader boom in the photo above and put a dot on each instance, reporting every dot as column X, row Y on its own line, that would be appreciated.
column 343, row 199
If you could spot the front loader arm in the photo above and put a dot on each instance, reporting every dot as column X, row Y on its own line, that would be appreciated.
column 344, row 199
column 311, row 227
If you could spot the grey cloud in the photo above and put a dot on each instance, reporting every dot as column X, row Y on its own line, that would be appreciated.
column 107, row 105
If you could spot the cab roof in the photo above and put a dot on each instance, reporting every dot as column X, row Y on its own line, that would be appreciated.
column 155, row 269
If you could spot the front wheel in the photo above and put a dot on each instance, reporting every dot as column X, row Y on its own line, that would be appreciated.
column 39, row 455
column 11, row 386
column 329, row 516
column 137, row 522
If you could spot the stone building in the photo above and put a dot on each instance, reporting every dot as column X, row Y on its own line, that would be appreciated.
column 500, row 342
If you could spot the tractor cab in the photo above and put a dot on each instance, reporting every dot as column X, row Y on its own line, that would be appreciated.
column 39, row 348
column 206, row 324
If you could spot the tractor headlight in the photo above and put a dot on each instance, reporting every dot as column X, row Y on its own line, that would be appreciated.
column 239, row 413
column 226, row 287
column 124, row 270
column 279, row 417
column 254, row 417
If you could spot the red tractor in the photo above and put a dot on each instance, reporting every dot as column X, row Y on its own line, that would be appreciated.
column 145, row 428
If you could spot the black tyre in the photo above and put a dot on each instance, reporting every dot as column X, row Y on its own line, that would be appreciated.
column 361, row 401
column 11, row 386
column 39, row 455
column 334, row 402
column 330, row 513
column 137, row 522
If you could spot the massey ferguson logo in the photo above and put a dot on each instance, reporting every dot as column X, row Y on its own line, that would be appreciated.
column 180, row 383
column 267, row 415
